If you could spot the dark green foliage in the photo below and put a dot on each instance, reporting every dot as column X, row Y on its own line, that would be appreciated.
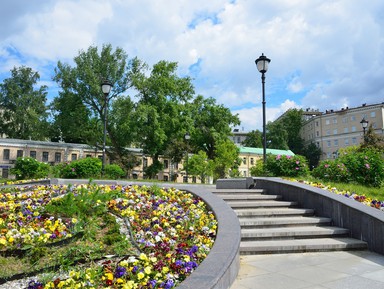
column 114, row 172
column 29, row 168
column 332, row 170
column 365, row 167
column 258, row 169
column 80, row 169
column 23, row 110
column 288, row 166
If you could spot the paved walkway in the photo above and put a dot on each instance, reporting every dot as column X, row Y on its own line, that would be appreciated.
column 324, row 270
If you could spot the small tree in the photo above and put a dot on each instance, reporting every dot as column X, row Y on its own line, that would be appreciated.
column 29, row 168
column 83, row 168
column 199, row 165
column 285, row 165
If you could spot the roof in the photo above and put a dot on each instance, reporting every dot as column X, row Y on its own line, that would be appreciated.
column 259, row 151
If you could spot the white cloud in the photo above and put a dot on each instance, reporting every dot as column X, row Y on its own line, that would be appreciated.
column 324, row 53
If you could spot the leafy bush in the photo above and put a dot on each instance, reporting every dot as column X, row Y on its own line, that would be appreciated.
column 366, row 167
column 289, row 166
column 258, row 169
column 114, row 172
column 82, row 168
column 29, row 168
column 332, row 170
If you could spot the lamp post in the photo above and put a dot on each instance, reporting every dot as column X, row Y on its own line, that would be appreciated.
column 187, row 138
column 364, row 124
column 106, row 87
column 262, row 65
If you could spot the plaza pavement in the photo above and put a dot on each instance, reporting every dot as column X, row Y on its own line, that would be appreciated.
column 320, row 270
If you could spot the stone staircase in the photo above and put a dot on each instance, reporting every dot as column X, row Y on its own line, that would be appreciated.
column 270, row 225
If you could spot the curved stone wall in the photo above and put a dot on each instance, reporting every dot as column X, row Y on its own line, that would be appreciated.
column 365, row 223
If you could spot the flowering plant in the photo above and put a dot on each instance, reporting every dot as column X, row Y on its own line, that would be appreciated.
column 172, row 229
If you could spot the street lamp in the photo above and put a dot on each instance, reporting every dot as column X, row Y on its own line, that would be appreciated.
column 364, row 124
column 187, row 137
column 262, row 65
column 106, row 87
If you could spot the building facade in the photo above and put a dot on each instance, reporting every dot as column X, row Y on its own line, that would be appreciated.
column 337, row 129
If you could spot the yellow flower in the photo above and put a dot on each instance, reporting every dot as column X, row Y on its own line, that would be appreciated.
column 147, row 270
column 140, row 275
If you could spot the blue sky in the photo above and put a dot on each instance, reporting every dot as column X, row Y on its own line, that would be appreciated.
column 325, row 54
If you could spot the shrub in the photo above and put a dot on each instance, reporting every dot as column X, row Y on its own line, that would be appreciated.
column 114, row 172
column 289, row 166
column 258, row 169
column 82, row 168
column 332, row 170
column 29, row 168
column 366, row 167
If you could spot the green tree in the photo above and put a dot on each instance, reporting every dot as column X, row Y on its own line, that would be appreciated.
column 372, row 141
column 211, row 123
column 277, row 136
column 253, row 139
column 226, row 161
column 79, row 109
column 29, row 168
column 292, row 121
column 161, row 109
column 313, row 153
column 199, row 165
column 23, row 109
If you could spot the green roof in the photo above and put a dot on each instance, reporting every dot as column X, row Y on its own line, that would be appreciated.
column 259, row 151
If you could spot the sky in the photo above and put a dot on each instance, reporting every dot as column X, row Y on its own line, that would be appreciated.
column 325, row 54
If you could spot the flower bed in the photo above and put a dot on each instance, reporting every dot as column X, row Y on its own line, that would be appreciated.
column 173, row 231
column 351, row 195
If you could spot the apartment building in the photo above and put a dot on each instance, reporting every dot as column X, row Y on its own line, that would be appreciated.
column 335, row 129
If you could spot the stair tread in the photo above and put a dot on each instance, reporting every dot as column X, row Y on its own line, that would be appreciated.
column 272, row 211
column 293, row 231
column 314, row 242
column 277, row 220
column 237, row 191
column 265, row 203
column 243, row 197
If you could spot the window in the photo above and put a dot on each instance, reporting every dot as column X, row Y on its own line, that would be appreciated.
column 252, row 161
column 335, row 131
column 6, row 154
column 317, row 123
column 165, row 178
column 354, row 140
column 244, row 173
column 166, row 165
column 346, row 141
column 353, row 117
column 244, row 161
column 45, row 157
column 88, row 156
column 185, row 179
column 145, row 162
column 328, row 143
column 19, row 153
column 334, row 120
column 328, row 132
column 194, row 179
column 5, row 173
column 374, row 125
column 318, row 144
column 57, row 157
column 336, row 142
column 238, row 140
column 32, row 154
column 73, row 157
column 353, row 128
column 345, row 130
column 327, row 122
column 344, row 119
column 329, row 155
column 373, row 113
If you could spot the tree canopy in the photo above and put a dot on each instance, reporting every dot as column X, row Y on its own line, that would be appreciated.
column 23, row 108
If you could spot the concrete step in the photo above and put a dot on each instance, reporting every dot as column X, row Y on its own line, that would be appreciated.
column 300, row 245
column 273, row 212
column 248, row 223
column 302, row 232
column 239, row 191
column 244, row 197
column 260, row 204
